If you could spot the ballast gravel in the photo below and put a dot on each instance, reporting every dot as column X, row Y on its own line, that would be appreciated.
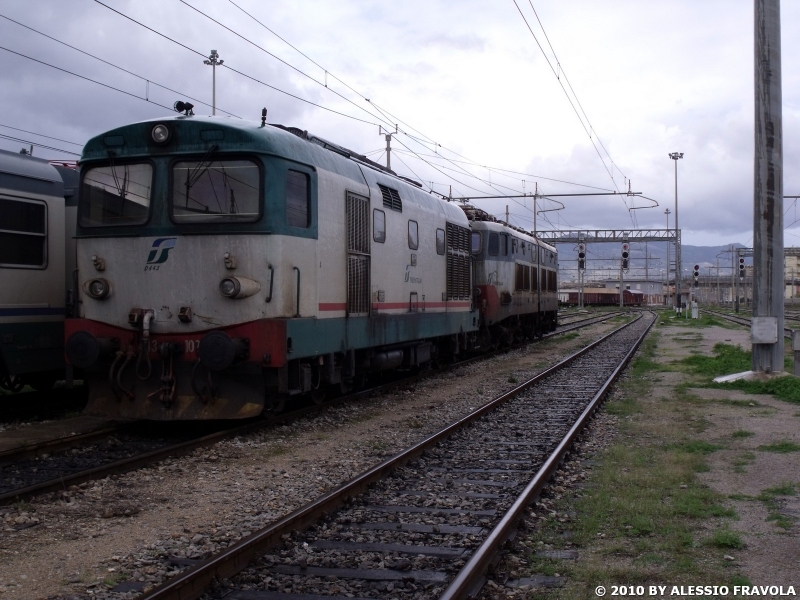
column 119, row 536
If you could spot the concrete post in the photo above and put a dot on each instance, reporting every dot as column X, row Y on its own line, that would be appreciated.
column 768, row 191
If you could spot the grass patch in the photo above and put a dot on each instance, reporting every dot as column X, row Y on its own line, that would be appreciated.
column 512, row 379
column 741, row 433
column 698, row 446
column 782, row 447
column 725, row 538
column 729, row 359
column 726, row 359
column 704, row 320
column 770, row 499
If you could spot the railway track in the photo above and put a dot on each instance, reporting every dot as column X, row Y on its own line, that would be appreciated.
column 787, row 332
column 53, row 465
column 428, row 522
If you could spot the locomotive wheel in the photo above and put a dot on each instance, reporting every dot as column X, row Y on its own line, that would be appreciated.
column 12, row 383
column 43, row 383
column 276, row 405
column 318, row 395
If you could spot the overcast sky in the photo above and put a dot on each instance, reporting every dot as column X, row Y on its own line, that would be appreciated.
column 652, row 78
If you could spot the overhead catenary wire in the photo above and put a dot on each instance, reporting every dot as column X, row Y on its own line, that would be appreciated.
column 589, row 130
column 149, row 81
column 105, row 85
column 227, row 66
column 50, row 137
column 37, row 144
column 389, row 118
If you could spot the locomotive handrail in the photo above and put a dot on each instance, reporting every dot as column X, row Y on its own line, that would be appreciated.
column 297, row 311
column 271, row 281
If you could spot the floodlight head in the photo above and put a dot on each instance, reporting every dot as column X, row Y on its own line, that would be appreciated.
column 675, row 155
column 184, row 107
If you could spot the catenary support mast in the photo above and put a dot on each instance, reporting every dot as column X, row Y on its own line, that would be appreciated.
column 768, row 191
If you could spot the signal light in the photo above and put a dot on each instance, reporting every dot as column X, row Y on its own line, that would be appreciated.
column 581, row 256
column 741, row 267
column 696, row 274
column 625, row 254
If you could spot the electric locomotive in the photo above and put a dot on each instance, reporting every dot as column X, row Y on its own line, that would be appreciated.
column 515, row 281
column 38, row 206
column 225, row 267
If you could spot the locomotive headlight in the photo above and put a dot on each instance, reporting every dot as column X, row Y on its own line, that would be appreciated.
column 98, row 288
column 238, row 287
column 160, row 134
column 229, row 287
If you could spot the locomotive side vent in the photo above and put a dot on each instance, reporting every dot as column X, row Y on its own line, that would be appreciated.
column 391, row 198
column 358, row 261
column 458, row 263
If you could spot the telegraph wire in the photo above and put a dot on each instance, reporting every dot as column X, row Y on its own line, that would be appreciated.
column 149, row 81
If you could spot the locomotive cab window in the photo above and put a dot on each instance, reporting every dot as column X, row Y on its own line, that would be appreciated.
column 413, row 235
column 23, row 234
column 476, row 242
column 218, row 191
column 116, row 195
column 378, row 225
column 440, row 241
column 297, row 213
column 504, row 244
column 494, row 244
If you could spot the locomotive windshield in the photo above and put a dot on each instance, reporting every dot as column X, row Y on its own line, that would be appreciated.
column 116, row 195
column 215, row 191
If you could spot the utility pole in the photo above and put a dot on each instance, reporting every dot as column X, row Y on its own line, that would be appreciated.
column 675, row 156
column 767, row 327
column 213, row 60
column 389, row 134
column 666, row 212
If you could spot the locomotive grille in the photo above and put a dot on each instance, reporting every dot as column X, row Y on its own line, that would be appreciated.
column 357, row 255
column 357, row 224
column 458, row 263
column 391, row 198
column 357, row 285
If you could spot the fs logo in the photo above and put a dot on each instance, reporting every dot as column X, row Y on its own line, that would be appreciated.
column 160, row 251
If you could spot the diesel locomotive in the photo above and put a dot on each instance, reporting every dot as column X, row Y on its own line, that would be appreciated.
column 226, row 267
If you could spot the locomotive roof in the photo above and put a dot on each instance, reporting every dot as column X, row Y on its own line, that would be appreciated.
column 480, row 217
column 27, row 173
column 198, row 134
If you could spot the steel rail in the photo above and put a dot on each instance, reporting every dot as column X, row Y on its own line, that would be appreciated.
column 787, row 332
column 139, row 461
column 469, row 579
column 192, row 583
column 12, row 455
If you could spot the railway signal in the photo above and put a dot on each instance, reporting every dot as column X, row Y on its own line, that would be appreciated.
column 696, row 274
column 625, row 254
column 741, row 267
column 581, row 257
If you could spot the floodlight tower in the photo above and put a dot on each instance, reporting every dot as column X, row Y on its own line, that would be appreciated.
column 213, row 60
column 676, row 156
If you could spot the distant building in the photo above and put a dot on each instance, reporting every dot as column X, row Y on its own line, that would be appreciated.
column 653, row 292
